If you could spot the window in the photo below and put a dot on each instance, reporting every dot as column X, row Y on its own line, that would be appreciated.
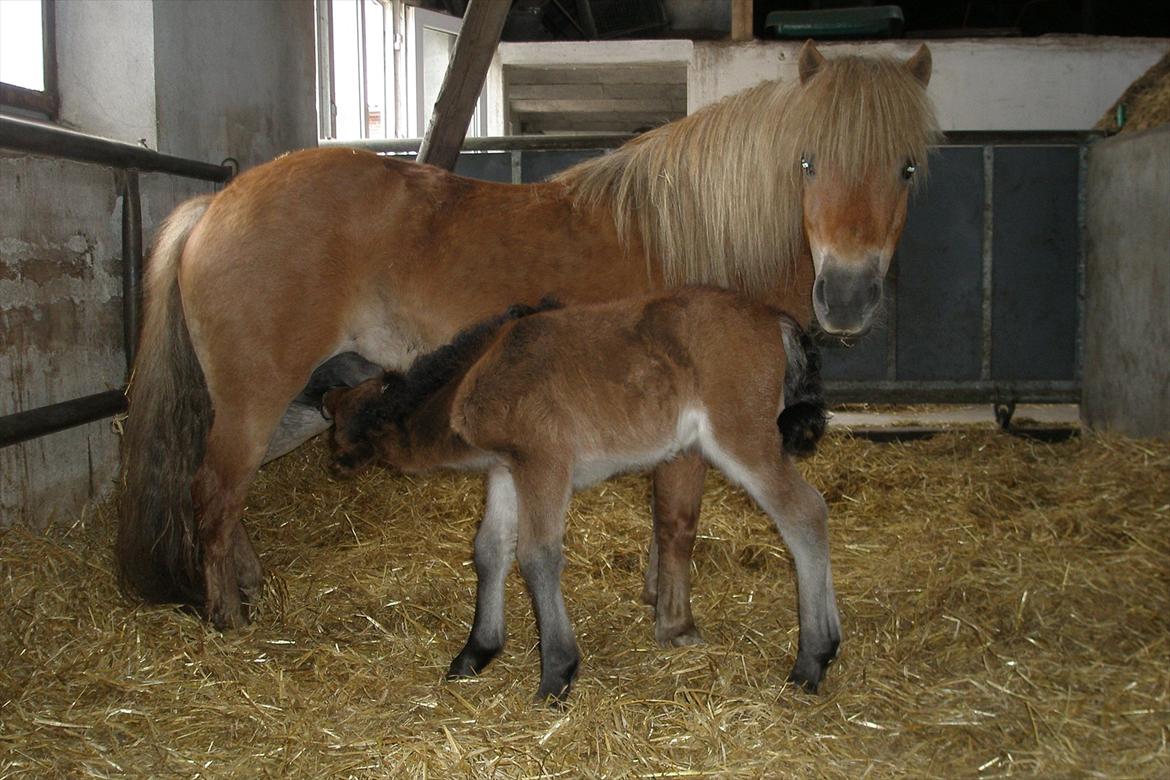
column 381, row 64
column 28, row 57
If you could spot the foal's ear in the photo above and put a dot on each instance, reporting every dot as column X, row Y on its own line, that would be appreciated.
column 809, row 61
column 332, row 399
column 919, row 65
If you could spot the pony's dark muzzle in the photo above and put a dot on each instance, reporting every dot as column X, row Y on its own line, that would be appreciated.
column 845, row 300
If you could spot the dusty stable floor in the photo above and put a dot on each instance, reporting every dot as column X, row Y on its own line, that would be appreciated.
column 1006, row 609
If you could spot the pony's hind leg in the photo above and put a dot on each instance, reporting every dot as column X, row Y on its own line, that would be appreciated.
column 678, row 495
column 495, row 550
column 543, row 490
column 231, row 570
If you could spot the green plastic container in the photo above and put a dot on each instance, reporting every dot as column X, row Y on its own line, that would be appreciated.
column 879, row 21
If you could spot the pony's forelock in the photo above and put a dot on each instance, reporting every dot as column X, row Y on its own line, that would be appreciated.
column 716, row 195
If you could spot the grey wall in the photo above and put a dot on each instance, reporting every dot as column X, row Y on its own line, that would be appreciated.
column 1127, row 286
column 235, row 79
column 204, row 80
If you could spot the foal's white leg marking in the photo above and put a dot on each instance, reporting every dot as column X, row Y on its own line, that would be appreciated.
column 802, row 522
column 495, row 549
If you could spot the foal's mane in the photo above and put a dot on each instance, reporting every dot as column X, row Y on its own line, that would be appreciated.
column 404, row 392
column 716, row 195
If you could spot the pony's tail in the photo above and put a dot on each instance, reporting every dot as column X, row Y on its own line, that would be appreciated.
column 157, row 548
column 802, row 422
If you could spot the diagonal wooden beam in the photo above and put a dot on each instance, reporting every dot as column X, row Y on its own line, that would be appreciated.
column 482, row 24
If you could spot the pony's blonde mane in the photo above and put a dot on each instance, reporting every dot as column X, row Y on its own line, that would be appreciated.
column 716, row 195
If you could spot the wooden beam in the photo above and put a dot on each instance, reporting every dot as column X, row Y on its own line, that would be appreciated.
column 482, row 24
column 741, row 20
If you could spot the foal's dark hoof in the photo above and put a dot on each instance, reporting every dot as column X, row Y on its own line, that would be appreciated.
column 554, row 699
column 471, row 661
column 809, row 671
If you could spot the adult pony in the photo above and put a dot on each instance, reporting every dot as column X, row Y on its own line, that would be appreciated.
column 793, row 192
column 551, row 401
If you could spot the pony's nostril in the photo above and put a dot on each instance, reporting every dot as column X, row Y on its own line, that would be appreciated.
column 819, row 293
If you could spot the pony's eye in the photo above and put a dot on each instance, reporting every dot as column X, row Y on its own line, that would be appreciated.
column 908, row 171
column 807, row 167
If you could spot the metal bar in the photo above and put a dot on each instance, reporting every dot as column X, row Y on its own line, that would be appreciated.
column 904, row 392
column 985, row 339
column 507, row 143
column 504, row 143
column 22, row 426
column 1046, row 433
column 1020, row 137
column 37, row 138
column 131, row 264
column 1082, row 211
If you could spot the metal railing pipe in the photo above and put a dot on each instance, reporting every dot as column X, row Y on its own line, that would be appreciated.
column 39, row 138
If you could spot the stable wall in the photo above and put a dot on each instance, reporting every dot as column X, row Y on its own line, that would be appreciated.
column 1051, row 83
column 1127, row 286
column 207, row 80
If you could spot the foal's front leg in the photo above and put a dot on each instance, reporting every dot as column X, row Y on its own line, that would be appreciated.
column 495, row 549
column 678, row 495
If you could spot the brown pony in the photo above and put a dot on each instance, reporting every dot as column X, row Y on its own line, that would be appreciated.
column 795, row 193
column 551, row 401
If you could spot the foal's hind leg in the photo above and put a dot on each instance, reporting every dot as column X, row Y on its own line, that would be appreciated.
column 678, row 494
column 495, row 550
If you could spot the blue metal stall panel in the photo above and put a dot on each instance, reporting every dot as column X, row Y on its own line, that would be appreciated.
column 1035, row 245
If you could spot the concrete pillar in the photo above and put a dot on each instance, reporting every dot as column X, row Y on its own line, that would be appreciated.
column 1127, row 286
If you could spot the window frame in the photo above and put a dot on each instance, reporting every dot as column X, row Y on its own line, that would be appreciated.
column 48, row 100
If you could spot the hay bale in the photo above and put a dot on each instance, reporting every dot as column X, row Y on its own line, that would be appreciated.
column 1005, row 603
column 1145, row 104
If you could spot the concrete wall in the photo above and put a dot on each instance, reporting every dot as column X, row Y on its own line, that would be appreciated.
column 206, row 80
column 61, row 322
column 1127, row 286
column 977, row 84
column 235, row 79
column 105, row 65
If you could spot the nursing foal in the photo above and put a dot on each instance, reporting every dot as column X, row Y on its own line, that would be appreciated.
column 549, row 400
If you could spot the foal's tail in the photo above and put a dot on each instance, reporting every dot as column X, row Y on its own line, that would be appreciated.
column 802, row 422
column 157, row 549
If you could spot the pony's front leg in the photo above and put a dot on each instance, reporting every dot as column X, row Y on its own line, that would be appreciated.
column 543, row 490
column 678, row 495
column 495, row 549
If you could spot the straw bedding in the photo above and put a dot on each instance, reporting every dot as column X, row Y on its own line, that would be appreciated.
column 1005, row 603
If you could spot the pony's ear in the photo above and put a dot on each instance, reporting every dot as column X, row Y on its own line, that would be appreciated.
column 809, row 61
column 919, row 65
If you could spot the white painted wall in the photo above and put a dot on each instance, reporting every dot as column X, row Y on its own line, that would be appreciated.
column 1057, row 83
column 1060, row 83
